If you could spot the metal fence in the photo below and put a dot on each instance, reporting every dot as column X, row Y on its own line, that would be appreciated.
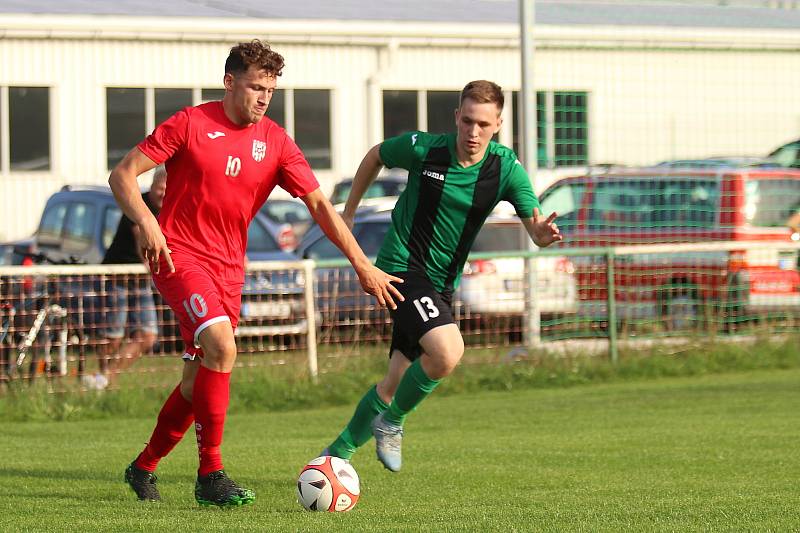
column 57, row 322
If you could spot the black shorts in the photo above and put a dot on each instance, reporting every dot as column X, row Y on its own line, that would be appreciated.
column 424, row 308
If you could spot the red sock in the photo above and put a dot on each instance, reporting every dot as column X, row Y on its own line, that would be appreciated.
column 210, row 403
column 174, row 419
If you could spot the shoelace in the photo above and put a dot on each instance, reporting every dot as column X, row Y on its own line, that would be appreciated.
column 390, row 438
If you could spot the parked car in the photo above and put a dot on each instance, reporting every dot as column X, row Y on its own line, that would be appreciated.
column 651, row 206
column 787, row 155
column 19, row 252
column 497, row 286
column 389, row 185
column 719, row 162
column 79, row 222
column 488, row 286
column 292, row 212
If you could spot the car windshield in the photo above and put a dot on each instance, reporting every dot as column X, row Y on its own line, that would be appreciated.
column 769, row 202
column 500, row 238
column 787, row 155
column 259, row 239
column 286, row 212
column 378, row 189
column 369, row 236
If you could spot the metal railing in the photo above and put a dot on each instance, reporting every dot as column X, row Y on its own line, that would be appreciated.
column 56, row 319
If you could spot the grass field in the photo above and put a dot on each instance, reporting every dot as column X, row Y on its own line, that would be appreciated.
column 701, row 453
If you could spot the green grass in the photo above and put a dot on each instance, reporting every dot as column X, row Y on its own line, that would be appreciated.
column 707, row 452
column 280, row 382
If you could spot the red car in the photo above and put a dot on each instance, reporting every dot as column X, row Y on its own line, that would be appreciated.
column 688, row 287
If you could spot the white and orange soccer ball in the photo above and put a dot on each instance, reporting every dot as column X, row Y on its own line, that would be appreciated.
column 328, row 484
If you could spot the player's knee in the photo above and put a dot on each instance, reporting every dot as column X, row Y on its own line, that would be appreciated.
column 220, row 349
column 442, row 364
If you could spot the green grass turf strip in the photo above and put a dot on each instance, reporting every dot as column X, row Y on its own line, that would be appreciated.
column 701, row 453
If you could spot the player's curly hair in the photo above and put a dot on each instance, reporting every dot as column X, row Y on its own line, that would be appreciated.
column 483, row 92
column 245, row 55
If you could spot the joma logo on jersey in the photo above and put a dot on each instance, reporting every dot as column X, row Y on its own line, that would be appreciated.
column 259, row 150
column 432, row 174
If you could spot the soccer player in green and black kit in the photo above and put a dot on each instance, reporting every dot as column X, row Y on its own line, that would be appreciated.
column 454, row 183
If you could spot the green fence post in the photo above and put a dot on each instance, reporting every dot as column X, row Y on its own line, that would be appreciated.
column 612, row 307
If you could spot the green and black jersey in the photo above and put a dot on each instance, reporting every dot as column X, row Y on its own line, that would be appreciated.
column 444, row 204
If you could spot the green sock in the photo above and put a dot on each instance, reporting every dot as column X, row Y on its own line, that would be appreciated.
column 413, row 388
column 358, row 430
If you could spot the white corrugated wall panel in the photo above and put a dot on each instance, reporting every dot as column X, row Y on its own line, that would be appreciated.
column 644, row 104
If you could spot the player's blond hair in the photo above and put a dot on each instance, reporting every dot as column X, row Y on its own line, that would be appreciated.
column 254, row 53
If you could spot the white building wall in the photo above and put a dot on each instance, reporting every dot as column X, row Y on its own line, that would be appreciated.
column 645, row 105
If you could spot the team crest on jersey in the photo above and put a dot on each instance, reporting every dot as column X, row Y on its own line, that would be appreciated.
column 259, row 150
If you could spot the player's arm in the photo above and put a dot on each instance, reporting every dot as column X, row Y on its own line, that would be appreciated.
column 126, row 191
column 367, row 171
column 137, row 239
column 373, row 280
column 542, row 230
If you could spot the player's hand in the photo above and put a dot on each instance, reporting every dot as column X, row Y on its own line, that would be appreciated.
column 546, row 232
column 378, row 283
column 154, row 245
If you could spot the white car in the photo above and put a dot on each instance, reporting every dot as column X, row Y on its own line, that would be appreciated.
column 497, row 286
column 489, row 287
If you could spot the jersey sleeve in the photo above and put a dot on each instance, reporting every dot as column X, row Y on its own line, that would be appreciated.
column 401, row 151
column 167, row 138
column 519, row 192
column 296, row 176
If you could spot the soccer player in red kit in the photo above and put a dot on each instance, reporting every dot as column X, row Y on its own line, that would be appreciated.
column 223, row 159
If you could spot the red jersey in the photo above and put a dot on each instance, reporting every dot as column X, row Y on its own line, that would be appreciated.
column 218, row 176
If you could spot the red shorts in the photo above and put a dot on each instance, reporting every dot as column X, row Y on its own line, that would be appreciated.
column 198, row 299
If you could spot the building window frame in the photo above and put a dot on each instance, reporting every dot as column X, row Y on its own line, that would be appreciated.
column 197, row 99
column 5, row 130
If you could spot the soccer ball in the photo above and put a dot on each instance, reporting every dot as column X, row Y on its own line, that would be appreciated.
column 328, row 484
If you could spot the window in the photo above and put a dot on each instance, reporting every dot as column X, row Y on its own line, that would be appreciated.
column 52, row 224
column 561, row 128
column 501, row 237
column 566, row 200
column 312, row 125
column 322, row 248
column 29, row 128
column 79, row 226
column 110, row 224
column 370, row 237
column 770, row 202
column 125, row 122
column 541, row 127
column 378, row 189
column 277, row 108
column 209, row 95
column 400, row 111
column 647, row 203
column 286, row 211
column 259, row 239
column 441, row 111
column 169, row 101
column 569, row 110
column 787, row 155
column 133, row 112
